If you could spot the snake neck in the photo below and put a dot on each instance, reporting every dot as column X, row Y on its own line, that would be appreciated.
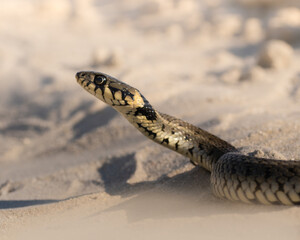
column 203, row 148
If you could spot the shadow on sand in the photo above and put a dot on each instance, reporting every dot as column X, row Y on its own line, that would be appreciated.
column 184, row 195
column 93, row 121
column 7, row 204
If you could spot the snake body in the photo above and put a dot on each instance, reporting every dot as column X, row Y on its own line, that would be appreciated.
column 234, row 176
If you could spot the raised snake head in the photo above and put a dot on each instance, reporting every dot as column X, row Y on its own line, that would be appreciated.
column 111, row 91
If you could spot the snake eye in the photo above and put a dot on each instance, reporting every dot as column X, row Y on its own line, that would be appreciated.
column 99, row 79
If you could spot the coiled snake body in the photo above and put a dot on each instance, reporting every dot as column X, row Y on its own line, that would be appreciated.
column 234, row 176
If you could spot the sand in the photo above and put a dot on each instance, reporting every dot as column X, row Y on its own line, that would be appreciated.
column 73, row 168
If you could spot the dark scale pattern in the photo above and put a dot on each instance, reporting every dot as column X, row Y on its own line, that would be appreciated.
column 256, row 172
column 150, row 133
column 176, row 145
column 101, row 87
column 191, row 150
column 147, row 111
column 113, row 91
column 126, row 93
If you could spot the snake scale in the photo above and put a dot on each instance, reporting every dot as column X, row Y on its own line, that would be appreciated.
column 234, row 176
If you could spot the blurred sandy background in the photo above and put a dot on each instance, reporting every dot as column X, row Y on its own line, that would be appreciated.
column 73, row 168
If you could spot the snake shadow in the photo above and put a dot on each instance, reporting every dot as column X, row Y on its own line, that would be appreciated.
column 186, row 194
column 93, row 121
column 9, row 204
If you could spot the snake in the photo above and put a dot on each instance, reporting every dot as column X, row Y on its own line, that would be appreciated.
column 233, row 175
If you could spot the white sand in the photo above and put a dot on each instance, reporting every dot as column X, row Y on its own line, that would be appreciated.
column 73, row 168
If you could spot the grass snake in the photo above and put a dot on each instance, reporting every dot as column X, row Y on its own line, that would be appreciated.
column 234, row 176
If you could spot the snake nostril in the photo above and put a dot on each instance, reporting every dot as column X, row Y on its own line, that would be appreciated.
column 80, row 75
column 77, row 75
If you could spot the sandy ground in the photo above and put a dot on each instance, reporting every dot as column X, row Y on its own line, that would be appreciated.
column 73, row 168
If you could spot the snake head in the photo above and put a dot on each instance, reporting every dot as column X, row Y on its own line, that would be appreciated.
column 110, row 90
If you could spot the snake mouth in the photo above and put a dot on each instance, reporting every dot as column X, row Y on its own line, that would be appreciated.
column 82, row 77
column 77, row 76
